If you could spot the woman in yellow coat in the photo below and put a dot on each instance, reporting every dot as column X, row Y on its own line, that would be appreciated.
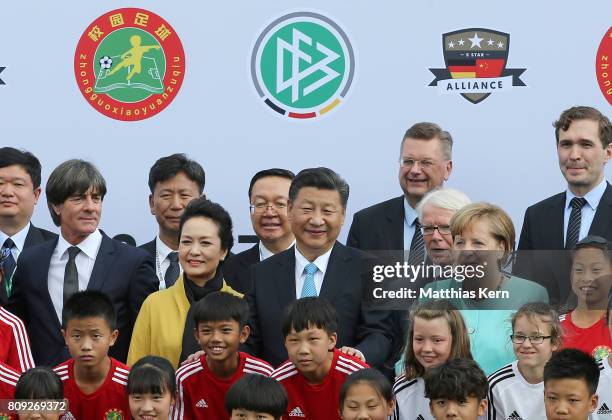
column 164, row 326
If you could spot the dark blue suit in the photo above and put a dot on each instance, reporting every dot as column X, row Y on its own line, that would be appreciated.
column 123, row 272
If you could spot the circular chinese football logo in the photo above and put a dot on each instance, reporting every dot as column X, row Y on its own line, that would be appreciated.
column 129, row 64
column 302, row 65
column 603, row 68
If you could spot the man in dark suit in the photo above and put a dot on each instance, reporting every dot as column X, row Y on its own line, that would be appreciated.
column 19, row 193
column 174, row 181
column 317, row 265
column 584, row 146
column 81, row 258
column 268, row 197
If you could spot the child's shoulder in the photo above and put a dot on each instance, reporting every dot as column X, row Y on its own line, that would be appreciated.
column 285, row 371
column 189, row 369
column 120, row 372
column 63, row 369
column 348, row 364
column 405, row 385
column 505, row 373
column 255, row 365
column 8, row 375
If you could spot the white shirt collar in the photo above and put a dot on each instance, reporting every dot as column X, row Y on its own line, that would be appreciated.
column 593, row 197
column 266, row 253
column 89, row 246
column 410, row 214
column 18, row 238
column 162, row 249
column 321, row 261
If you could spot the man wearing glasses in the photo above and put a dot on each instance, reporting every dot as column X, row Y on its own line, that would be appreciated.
column 268, row 195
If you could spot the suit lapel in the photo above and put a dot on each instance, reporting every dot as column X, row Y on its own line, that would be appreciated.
column 336, row 272
column 46, row 253
column 104, row 260
column 395, row 226
column 603, row 214
column 34, row 237
column 250, row 257
column 284, row 280
column 555, row 219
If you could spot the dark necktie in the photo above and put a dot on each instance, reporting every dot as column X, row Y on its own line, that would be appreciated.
column 173, row 270
column 8, row 265
column 573, row 226
column 417, row 246
column 71, row 275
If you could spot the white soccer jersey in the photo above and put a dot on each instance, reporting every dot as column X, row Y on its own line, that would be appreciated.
column 411, row 403
column 604, row 391
column 511, row 397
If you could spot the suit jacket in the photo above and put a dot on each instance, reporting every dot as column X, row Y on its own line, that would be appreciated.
column 379, row 227
column 273, row 288
column 35, row 236
column 237, row 269
column 150, row 247
column 543, row 230
column 123, row 272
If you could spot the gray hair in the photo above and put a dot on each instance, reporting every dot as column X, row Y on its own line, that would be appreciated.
column 445, row 198
column 430, row 131
column 73, row 177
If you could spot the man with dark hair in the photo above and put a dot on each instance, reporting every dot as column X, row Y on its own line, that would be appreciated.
column 268, row 197
column 174, row 181
column 317, row 265
column 82, row 258
column 19, row 193
column 584, row 146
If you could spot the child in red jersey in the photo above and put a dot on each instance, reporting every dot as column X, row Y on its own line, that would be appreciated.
column 14, row 343
column 94, row 383
column 316, row 370
column 220, row 320
column 8, row 380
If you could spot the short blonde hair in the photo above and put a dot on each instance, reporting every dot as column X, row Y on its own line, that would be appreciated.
column 500, row 224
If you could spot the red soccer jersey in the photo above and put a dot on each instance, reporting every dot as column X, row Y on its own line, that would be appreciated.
column 594, row 340
column 201, row 394
column 8, row 380
column 316, row 402
column 108, row 402
column 14, row 343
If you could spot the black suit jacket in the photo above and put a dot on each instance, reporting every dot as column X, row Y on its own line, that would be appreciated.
column 123, row 272
column 273, row 288
column 150, row 247
column 237, row 269
column 543, row 230
column 379, row 227
column 35, row 236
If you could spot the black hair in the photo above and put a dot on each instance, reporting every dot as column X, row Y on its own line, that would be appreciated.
column 321, row 178
column 594, row 241
column 39, row 383
column 168, row 166
column 373, row 378
column 305, row 313
column 202, row 207
column 573, row 364
column 257, row 393
column 221, row 306
column 89, row 304
column 456, row 380
column 10, row 156
column 151, row 375
column 73, row 177
column 282, row 173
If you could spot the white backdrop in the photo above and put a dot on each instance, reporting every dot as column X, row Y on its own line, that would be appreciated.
column 504, row 146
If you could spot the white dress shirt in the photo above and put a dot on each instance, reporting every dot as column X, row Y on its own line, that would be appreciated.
column 587, row 214
column 300, row 276
column 18, row 239
column 162, row 262
column 266, row 253
column 84, row 262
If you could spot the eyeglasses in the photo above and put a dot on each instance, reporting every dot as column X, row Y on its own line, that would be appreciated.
column 423, row 163
column 429, row 230
column 260, row 208
column 533, row 339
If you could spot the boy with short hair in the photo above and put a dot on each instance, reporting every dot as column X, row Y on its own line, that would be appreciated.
column 316, row 370
column 94, row 383
column 220, row 327
column 570, row 383
column 456, row 389
column 256, row 397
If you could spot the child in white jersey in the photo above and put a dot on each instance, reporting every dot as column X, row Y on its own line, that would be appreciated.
column 436, row 334
column 536, row 334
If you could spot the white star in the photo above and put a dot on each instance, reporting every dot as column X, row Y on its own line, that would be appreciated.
column 490, row 42
column 500, row 44
column 451, row 44
column 461, row 41
column 475, row 41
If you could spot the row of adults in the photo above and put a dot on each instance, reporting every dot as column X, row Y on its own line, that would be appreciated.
column 297, row 220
